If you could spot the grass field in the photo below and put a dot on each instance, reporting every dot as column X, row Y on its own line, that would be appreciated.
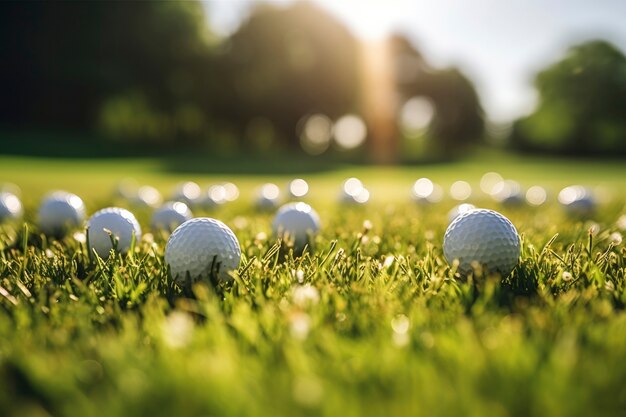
column 372, row 322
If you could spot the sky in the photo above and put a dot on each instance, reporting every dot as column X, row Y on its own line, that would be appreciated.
column 499, row 44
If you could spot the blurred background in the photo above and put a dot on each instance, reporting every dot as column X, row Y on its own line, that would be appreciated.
column 385, row 82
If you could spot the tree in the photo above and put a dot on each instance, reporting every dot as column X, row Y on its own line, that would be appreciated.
column 285, row 63
column 64, row 63
column 458, row 115
column 582, row 106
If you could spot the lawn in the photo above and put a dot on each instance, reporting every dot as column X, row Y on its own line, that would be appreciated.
column 372, row 322
column 95, row 179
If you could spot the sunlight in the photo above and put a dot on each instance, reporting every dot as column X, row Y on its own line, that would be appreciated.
column 368, row 19
column 379, row 99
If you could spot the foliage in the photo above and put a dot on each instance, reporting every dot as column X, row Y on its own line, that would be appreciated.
column 67, row 62
column 150, row 74
column 286, row 63
column 583, row 103
column 458, row 115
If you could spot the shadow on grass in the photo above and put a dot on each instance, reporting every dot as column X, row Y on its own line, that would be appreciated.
column 181, row 160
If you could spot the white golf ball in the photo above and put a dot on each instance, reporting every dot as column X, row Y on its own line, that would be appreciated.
column 268, row 197
column 482, row 236
column 508, row 193
column 59, row 212
column 298, row 188
column 425, row 191
column 188, row 192
column 202, row 248
column 214, row 196
column 147, row 196
column 577, row 200
column 121, row 224
column 353, row 192
column 296, row 222
column 10, row 207
column 170, row 215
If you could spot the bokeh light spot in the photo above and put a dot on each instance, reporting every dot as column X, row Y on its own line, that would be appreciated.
column 349, row 131
column 460, row 190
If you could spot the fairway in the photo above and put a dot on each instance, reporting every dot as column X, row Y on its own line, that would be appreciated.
column 371, row 321
column 283, row 208
column 95, row 179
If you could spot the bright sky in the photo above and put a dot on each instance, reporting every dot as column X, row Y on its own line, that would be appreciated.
column 499, row 44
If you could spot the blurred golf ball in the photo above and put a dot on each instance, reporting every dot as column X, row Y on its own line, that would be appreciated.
column 121, row 224
column 460, row 190
column 485, row 237
column 146, row 196
column 202, row 249
column 296, row 222
column 268, row 197
column 170, row 215
column 577, row 200
column 298, row 188
column 508, row 193
column 10, row 207
column 536, row 195
column 231, row 191
column 425, row 191
column 187, row 192
column 354, row 192
column 214, row 196
column 59, row 212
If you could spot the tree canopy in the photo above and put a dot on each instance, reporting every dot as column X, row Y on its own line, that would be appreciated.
column 150, row 73
column 582, row 105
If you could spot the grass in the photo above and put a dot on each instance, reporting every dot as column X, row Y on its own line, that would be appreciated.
column 388, row 328
column 95, row 179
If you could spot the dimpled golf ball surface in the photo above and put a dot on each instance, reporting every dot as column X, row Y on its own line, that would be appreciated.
column 120, row 222
column 296, row 221
column 200, row 248
column 59, row 212
column 482, row 236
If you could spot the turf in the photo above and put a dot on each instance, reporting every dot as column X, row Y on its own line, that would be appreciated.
column 372, row 321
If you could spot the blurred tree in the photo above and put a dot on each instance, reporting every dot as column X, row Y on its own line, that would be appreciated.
column 283, row 64
column 458, row 115
column 582, row 106
column 83, row 64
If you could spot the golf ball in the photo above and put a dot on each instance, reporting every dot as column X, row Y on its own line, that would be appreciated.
column 146, row 196
column 10, row 207
column 170, row 215
column 508, row 193
column 214, row 196
column 187, row 192
column 59, row 212
column 296, row 222
column 485, row 237
column 577, row 200
column 426, row 191
column 298, row 188
column 201, row 249
column 121, row 224
column 268, row 197
column 354, row 192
